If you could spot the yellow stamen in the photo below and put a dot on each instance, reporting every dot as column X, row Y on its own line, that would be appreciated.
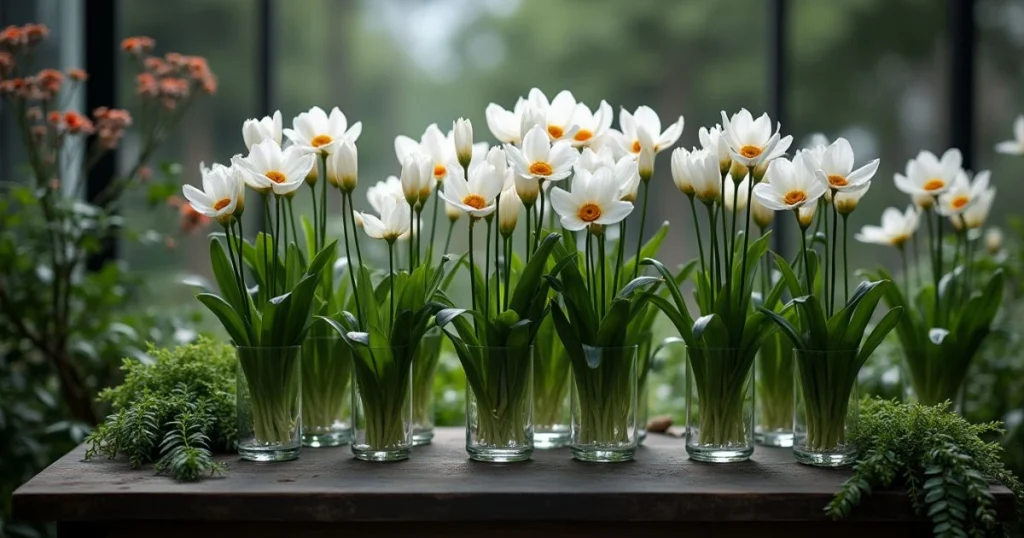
column 275, row 176
column 837, row 181
column 583, row 135
column 589, row 212
column 636, row 146
column 475, row 201
column 960, row 201
column 555, row 131
column 750, row 151
column 439, row 171
column 321, row 140
column 934, row 184
column 795, row 197
column 540, row 168
column 222, row 203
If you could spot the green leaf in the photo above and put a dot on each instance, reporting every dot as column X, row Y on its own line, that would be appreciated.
column 878, row 334
column 711, row 332
column 228, row 317
column 531, row 275
column 649, row 250
column 224, row 274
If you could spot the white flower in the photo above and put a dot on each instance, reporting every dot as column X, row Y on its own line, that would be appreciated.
column 642, row 128
column 390, row 188
column 700, row 168
column 976, row 215
column 558, row 114
column 815, row 149
column 627, row 175
column 752, row 142
column 846, row 201
column 591, row 160
column 416, row 175
column 476, row 194
column 462, row 131
column 962, row 194
column 591, row 127
column 681, row 172
column 393, row 221
column 315, row 132
column 284, row 171
column 713, row 141
column 895, row 230
column 539, row 159
column 223, row 194
column 508, row 212
column 595, row 199
column 343, row 166
column 612, row 140
column 267, row 128
column 532, row 117
column 836, row 168
column 790, row 185
column 434, row 145
column 928, row 177
column 735, row 197
column 504, row 124
column 1015, row 146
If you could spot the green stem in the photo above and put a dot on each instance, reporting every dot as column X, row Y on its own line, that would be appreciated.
column 620, row 252
column 497, row 260
column 351, row 269
column 487, row 271
column 448, row 240
column 604, row 283
column 266, row 250
column 540, row 217
column 508, row 269
column 803, row 249
column 700, row 242
column 352, row 217
column 316, row 216
column 846, row 263
column 472, row 275
column 291, row 223
column 906, row 273
column 938, row 276
column 835, row 244
column 234, row 266
column 391, row 279
column 529, row 211
column 826, row 284
column 640, row 232
column 433, row 224
column 322, row 175
column 241, row 271
column 277, row 241
column 715, row 260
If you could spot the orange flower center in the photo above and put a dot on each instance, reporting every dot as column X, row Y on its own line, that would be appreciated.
column 750, row 151
column 540, row 168
column 795, row 197
column 555, row 131
column 321, row 140
column 475, row 201
column 275, row 176
column 222, row 203
column 960, row 201
column 439, row 171
column 837, row 181
column 636, row 146
column 583, row 135
column 934, row 184
column 589, row 212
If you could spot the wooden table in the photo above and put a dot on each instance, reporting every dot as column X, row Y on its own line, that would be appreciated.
column 439, row 492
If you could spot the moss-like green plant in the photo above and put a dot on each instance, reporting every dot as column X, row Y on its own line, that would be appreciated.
column 176, row 410
column 942, row 461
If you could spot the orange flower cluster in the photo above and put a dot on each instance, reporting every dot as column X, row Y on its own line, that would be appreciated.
column 170, row 79
column 190, row 219
column 111, row 124
column 21, row 37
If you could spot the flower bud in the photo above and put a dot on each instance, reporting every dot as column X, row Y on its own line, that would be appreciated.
column 738, row 171
column 805, row 214
column 527, row 188
column 508, row 212
column 762, row 215
column 463, row 134
column 343, row 166
column 759, row 171
column 680, row 174
column 415, row 173
column 313, row 173
column 994, row 240
column 645, row 164
column 532, row 117
column 847, row 201
column 452, row 212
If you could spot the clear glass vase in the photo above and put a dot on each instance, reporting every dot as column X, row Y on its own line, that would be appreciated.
column 604, row 405
column 499, row 403
column 424, row 364
column 382, row 403
column 269, row 403
column 775, row 392
column 645, row 358
column 825, row 412
column 550, row 389
column 719, row 404
column 326, row 389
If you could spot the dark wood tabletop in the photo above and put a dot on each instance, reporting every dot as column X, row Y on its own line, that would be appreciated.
column 439, row 490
